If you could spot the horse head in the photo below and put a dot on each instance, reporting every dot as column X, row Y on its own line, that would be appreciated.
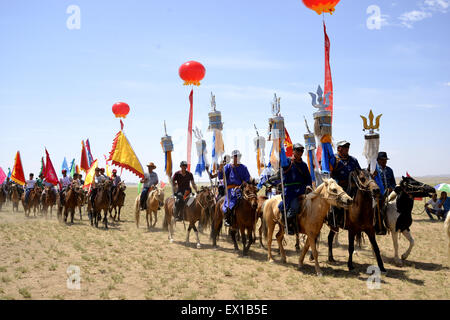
column 249, row 192
column 415, row 188
column 334, row 194
column 207, row 196
column 364, row 182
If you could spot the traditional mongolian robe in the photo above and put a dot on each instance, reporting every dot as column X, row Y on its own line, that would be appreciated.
column 235, row 176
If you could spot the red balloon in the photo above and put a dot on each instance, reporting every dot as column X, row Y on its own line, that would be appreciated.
column 321, row 6
column 192, row 72
column 120, row 109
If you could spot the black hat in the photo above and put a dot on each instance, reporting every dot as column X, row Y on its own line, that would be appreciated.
column 382, row 155
column 183, row 163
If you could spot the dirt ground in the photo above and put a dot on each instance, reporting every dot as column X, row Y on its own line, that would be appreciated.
column 124, row 262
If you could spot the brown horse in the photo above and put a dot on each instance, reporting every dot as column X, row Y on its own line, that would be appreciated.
column 244, row 217
column 310, row 220
column 155, row 200
column 118, row 199
column 360, row 216
column 15, row 196
column 71, row 200
column 101, row 202
column 82, row 200
column 48, row 200
column 192, row 213
column 33, row 201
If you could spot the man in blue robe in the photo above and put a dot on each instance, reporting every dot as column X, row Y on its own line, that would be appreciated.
column 235, row 174
column 342, row 164
column 296, row 178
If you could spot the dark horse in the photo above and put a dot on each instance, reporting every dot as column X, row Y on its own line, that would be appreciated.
column 244, row 217
column 118, row 200
column 360, row 216
column 71, row 201
column 193, row 213
column 101, row 202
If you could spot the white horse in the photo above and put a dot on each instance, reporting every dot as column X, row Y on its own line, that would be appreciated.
column 407, row 191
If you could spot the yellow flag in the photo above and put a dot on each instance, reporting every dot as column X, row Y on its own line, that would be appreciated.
column 122, row 155
column 90, row 175
column 108, row 171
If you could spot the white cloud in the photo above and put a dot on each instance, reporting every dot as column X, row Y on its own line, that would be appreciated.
column 437, row 5
column 411, row 17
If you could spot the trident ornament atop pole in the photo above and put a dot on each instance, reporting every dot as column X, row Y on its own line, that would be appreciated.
column 371, row 127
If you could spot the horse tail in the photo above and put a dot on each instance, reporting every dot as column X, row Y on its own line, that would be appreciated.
column 166, row 219
column 264, row 225
column 136, row 211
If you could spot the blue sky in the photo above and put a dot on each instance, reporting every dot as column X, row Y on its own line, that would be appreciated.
column 58, row 85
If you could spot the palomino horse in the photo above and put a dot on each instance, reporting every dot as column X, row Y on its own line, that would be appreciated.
column 155, row 200
column 101, row 202
column 48, row 199
column 314, row 209
column 244, row 217
column 259, row 215
column 360, row 216
column 71, row 201
column 118, row 199
column 192, row 213
column 15, row 196
column 398, row 212
column 33, row 201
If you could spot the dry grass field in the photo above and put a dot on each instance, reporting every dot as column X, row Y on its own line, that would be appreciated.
column 129, row 263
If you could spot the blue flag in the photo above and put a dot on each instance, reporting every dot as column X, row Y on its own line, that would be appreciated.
column 65, row 166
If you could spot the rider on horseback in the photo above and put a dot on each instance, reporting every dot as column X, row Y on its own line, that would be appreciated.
column 28, row 187
column 64, row 182
column 296, row 179
column 341, row 166
column 183, row 179
column 150, row 180
column 115, row 182
column 386, row 183
column 235, row 174
column 98, row 180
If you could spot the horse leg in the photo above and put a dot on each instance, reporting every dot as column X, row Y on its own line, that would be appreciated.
column 351, row 249
column 397, row 260
column 233, row 236
column 376, row 250
column 312, row 241
column 244, row 241
column 270, row 227
column 251, row 240
column 280, row 237
column 297, row 242
column 196, row 235
column 311, row 254
column 156, row 217
column 105, row 219
column 330, row 246
column 408, row 236
column 170, row 226
column 72, row 214
column 147, row 214
column 187, row 234
column 303, row 254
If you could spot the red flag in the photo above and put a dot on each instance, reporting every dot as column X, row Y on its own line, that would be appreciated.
column 162, row 184
column 84, row 164
column 50, row 173
column 328, row 88
column 189, row 137
column 288, row 144
column 18, row 176
column 328, row 80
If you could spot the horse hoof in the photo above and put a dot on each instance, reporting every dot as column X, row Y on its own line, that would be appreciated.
column 398, row 263
column 300, row 266
column 319, row 274
column 404, row 257
column 331, row 260
column 171, row 240
column 199, row 245
column 271, row 261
